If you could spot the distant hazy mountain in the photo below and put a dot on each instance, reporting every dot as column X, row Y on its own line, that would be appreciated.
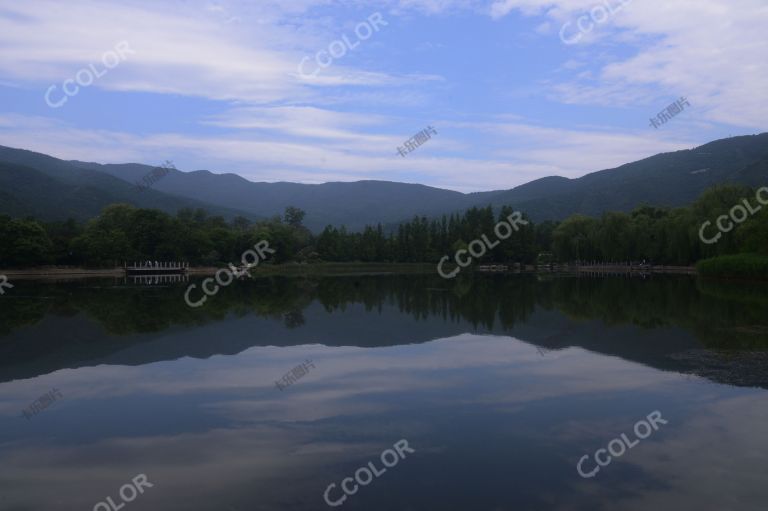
column 50, row 188
column 33, row 184
column 352, row 204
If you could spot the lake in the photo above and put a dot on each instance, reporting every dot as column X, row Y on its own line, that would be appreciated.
column 511, row 392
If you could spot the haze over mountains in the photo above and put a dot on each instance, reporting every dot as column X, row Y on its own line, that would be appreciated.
column 51, row 189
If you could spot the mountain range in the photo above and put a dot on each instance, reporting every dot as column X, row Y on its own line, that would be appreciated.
column 38, row 185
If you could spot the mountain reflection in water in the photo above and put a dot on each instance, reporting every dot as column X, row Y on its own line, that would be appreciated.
column 663, row 322
column 500, row 384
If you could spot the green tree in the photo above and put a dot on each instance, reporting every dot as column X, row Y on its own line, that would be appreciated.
column 294, row 216
column 24, row 243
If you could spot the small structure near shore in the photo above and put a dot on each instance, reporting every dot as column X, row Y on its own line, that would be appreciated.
column 493, row 268
column 631, row 268
column 156, row 268
column 154, row 280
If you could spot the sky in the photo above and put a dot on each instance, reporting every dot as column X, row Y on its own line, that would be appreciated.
column 314, row 91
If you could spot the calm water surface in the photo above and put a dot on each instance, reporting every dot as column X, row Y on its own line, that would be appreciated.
column 500, row 384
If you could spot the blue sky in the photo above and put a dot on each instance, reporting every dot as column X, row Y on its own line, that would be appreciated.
column 217, row 85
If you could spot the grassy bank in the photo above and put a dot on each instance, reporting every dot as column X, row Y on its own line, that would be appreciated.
column 327, row 268
column 341, row 268
column 267, row 269
column 739, row 266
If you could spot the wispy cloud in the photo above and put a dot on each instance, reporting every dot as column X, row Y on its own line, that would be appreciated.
column 290, row 149
column 177, row 51
column 713, row 51
column 257, row 116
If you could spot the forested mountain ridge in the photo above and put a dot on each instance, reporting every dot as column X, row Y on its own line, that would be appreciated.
column 664, row 180
column 354, row 204
column 82, row 189
column 33, row 184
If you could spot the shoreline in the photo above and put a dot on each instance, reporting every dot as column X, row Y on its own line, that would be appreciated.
column 285, row 269
column 355, row 268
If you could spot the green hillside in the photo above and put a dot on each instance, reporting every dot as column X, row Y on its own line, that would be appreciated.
column 52, row 189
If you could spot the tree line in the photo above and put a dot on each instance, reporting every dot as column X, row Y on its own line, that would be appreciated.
column 714, row 311
column 123, row 233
